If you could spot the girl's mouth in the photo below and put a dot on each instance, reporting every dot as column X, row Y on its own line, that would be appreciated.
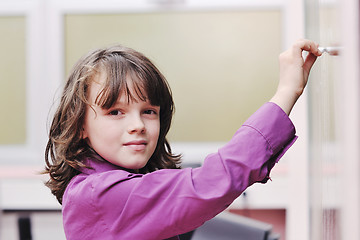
column 137, row 145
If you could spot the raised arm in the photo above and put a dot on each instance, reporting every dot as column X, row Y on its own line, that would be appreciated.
column 294, row 73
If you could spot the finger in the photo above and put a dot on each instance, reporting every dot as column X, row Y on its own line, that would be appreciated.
column 315, row 49
column 307, row 45
column 309, row 62
column 312, row 47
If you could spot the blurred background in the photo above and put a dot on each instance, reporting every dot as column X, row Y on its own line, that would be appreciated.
column 221, row 60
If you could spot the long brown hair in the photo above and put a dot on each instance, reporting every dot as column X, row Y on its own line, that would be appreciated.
column 66, row 149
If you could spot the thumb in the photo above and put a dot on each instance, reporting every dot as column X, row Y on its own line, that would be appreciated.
column 309, row 62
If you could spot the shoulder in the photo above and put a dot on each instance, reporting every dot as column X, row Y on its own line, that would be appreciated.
column 96, row 185
column 95, row 200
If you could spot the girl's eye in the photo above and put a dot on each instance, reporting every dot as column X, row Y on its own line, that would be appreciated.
column 150, row 111
column 115, row 113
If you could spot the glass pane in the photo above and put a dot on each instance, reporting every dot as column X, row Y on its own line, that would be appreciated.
column 220, row 67
column 12, row 80
column 322, row 26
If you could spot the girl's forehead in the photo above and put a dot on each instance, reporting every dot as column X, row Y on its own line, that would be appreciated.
column 99, row 78
column 131, row 89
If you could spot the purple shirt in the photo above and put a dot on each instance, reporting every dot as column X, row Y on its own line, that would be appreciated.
column 110, row 203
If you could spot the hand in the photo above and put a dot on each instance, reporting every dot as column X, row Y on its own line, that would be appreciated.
column 294, row 73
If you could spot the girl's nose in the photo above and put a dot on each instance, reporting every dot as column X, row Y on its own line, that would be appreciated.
column 136, row 125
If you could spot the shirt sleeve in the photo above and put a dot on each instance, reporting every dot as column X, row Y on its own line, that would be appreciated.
column 169, row 202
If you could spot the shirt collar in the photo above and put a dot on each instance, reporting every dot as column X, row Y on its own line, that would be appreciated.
column 97, row 166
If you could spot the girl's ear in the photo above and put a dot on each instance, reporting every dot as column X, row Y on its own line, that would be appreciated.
column 83, row 133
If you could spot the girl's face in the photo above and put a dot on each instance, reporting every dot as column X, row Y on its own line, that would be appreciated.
column 126, row 135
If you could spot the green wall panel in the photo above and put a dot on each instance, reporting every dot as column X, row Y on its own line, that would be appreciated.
column 12, row 81
column 221, row 66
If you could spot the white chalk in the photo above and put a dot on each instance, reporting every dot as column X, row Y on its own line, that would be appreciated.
column 331, row 50
column 322, row 49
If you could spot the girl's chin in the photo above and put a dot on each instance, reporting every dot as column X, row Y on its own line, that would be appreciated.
column 132, row 167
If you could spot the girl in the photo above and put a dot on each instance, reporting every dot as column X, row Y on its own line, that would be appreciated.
column 112, row 168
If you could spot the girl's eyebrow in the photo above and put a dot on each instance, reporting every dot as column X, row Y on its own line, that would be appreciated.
column 125, row 102
column 120, row 104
